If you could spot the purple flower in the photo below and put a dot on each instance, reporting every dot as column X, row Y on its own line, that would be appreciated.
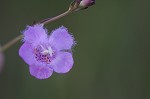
column 45, row 54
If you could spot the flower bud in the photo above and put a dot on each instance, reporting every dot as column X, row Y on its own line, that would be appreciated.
column 77, row 5
column 86, row 3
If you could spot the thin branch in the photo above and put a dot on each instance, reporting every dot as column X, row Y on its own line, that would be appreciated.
column 10, row 43
column 49, row 20
column 45, row 21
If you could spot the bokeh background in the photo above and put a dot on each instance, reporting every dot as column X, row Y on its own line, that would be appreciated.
column 112, row 55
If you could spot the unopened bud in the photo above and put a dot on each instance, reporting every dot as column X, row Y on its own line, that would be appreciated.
column 77, row 5
column 86, row 3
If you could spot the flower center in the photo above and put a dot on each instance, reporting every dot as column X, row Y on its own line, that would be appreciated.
column 43, row 54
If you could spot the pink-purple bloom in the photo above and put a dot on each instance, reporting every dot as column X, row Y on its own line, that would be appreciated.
column 47, row 53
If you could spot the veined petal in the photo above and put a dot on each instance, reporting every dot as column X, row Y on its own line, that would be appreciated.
column 27, row 54
column 40, row 72
column 61, row 39
column 63, row 62
column 35, row 34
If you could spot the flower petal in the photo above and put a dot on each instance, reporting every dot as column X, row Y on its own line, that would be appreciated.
column 35, row 34
column 61, row 39
column 63, row 62
column 40, row 72
column 26, row 53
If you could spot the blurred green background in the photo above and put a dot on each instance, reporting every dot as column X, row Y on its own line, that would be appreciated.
column 112, row 55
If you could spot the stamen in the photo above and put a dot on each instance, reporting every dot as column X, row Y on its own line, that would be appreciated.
column 44, row 55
